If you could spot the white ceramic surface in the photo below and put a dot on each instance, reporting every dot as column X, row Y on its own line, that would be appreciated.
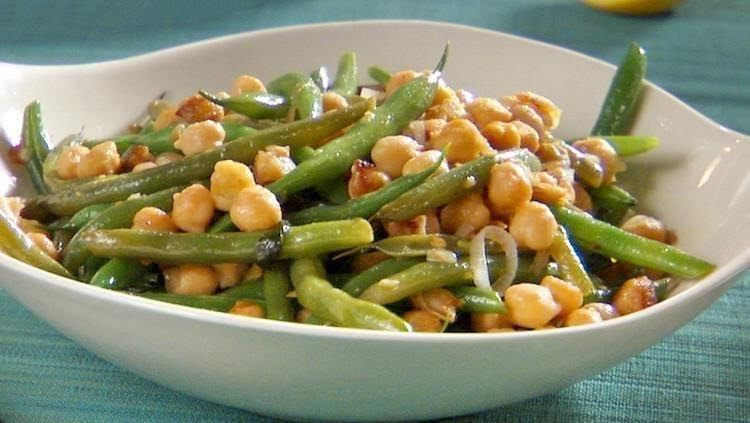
column 699, row 175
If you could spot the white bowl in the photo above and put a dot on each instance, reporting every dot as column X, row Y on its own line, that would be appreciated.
column 697, row 181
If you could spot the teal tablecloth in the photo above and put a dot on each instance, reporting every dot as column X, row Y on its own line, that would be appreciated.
column 701, row 53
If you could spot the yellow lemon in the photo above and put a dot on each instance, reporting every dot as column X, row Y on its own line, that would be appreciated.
column 633, row 7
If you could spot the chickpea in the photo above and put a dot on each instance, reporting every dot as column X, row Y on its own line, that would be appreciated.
column 423, row 321
column 487, row 322
column 362, row 262
column 544, row 107
column 398, row 79
column 153, row 219
column 467, row 143
column 530, row 306
column 198, row 109
column 69, row 159
column 468, row 210
column 140, row 167
column 334, row 101
column 103, row 159
column 565, row 293
column 247, row 84
column 230, row 274
column 417, row 225
column 365, row 178
column 529, row 136
column 190, row 279
column 509, row 187
column 199, row 137
column 502, row 135
column 583, row 316
column 447, row 111
column 255, row 272
column 227, row 180
column 193, row 208
column 484, row 110
column 134, row 156
column 423, row 161
column 168, row 157
column 269, row 166
column 444, row 94
column 533, row 226
column 254, row 209
column 608, row 158
column 247, row 308
column 391, row 153
column 438, row 301
column 424, row 130
column 647, row 227
column 606, row 311
column 547, row 189
column 634, row 295
column 302, row 315
column 166, row 117
column 583, row 198
column 44, row 243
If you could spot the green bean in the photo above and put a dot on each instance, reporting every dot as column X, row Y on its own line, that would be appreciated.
column 621, row 102
column 459, row 181
column 34, row 145
column 304, row 96
column 630, row 145
column 276, row 286
column 336, row 157
column 330, row 304
column 663, row 286
column 90, row 266
column 361, row 281
column 614, row 242
column 246, row 289
column 119, row 215
column 206, row 302
column 51, row 179
column 587, row 166
column 256, row 105
column 321, row 78
column 477, row 300
column 119, row 274
column 230, row 247
column 367, row 205
column 335, row 191
column 16, row 244
column 156, row 141
column 379, row 74
column 192, row 168
column 345, row 82
column 570, row 265
column 415, row 279
column 612, row 196
column 233, row 130
column 81, row 218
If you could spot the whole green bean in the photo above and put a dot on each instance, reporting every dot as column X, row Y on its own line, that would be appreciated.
column 229, row 247
column 614, row 242
column 345, row 82
column 192, row 168
column 621, row 101
column 361, row 281
column 34, row 145
column 15, row 243
column 571, row 267
column 276, row 286
column 81, row 218
column 256, row 105
column 367, row 205
column 459, row 181
column 336, row 157
column 304, row 96
column 415, row 279
column 612, row 196
column 333, row 305
column 379, row 74
column 478, row 300
column 246, row 289
column 206, row 302
column 587, row 166
column 321, row 78
column 119, row 215
column 335, row 191
column 119, row 273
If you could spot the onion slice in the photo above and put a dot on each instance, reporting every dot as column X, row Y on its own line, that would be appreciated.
column 478, row 259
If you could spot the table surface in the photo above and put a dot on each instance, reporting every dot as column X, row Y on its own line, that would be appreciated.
column 701, row 53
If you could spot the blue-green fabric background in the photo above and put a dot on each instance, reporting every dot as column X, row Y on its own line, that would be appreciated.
column 701, row 53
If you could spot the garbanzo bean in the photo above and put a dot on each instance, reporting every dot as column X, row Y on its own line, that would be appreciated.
column 646, row 226
column 398, row 79
column 509, row 187
column 391, row 153
column 529, row 136
column 611, row 163
column 583, row 316
column 565, row 293
column 365, row 178
column 502, row 135
column 530, row 306
column 255, row 208
column 153, row 219
column 468, row 212
column 466, row 142
column 68, row 161
column 230, row 274
column 247, row 308
column 227, row 180
column 190, row 279
column 438, row 301
column 635, row 295
column 488, row 322
column 272, row 164
column 484, row 110
column 103, row 159
column 199, row 137
column 247, row 84
column 424, row 161
column 168, row 157
column 533, row 226
column 198, row 109
column 333, row 101
column 193, row 208
column 423, row 321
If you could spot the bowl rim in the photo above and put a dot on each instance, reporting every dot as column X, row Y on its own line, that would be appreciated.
column 723, row 274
